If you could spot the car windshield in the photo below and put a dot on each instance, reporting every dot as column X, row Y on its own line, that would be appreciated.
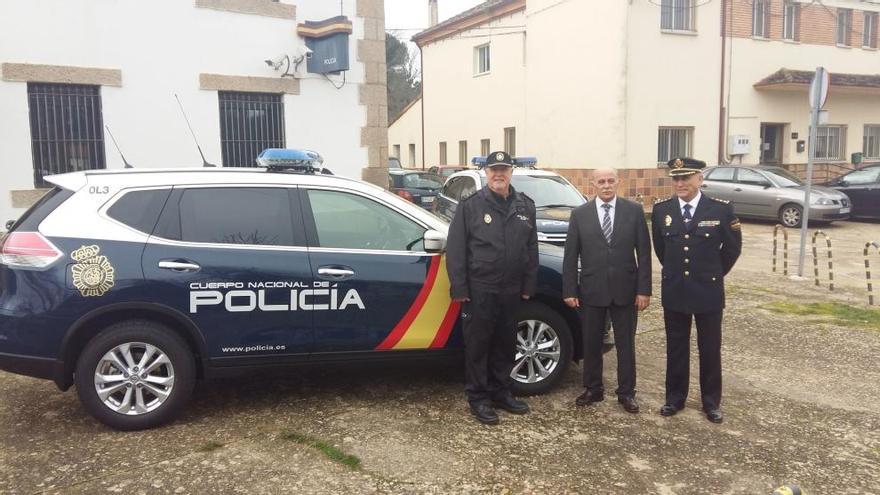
column 423, row 180
column 547, row 190
column 783, row 177
column 446, row 172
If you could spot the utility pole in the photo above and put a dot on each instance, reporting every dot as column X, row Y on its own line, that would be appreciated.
column 818, row 94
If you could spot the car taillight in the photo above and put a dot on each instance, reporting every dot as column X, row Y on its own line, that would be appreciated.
column 406, row 195
column 27, row 250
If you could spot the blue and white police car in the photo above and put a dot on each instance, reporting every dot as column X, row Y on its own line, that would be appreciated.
column 134, row 284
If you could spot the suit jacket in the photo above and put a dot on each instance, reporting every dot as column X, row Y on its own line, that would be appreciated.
column 696, row 256
column 610, row 273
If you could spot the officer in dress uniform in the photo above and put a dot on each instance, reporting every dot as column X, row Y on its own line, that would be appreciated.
column 697, row 240
column 492, row 262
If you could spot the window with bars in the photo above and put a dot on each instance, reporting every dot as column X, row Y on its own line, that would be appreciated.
column 67, row 129
column 871, row 142
column 673, row 142
column 761, row 18
column 462, row 153
column 830, row 142
column 791, row 20
column 677, row 15
column 869, row 31
column 249, row 123
column 442, row 152
column 482, row 63
column 510, row 140
column 844, row 26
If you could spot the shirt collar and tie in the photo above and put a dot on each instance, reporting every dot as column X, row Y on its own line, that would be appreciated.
column 606, row 216
column 688, row 208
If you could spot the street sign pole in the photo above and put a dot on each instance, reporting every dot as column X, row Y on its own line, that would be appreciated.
column 818, row 94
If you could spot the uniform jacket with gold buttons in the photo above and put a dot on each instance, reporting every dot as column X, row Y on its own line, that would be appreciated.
column 695, row 256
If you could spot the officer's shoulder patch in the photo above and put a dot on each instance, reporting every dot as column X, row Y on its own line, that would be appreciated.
column 662, row 201
column 725, row 201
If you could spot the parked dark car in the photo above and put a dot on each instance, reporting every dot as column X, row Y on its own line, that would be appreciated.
column 446, row 170
column 415, row 186
column 863, row 188
column 773, row 193
column 394, row 162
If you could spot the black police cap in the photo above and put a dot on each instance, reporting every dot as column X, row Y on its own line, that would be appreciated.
column 685, row 166
column 497, row 158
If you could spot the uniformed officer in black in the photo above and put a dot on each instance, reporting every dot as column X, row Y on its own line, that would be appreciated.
column 697, row 240
column 492, row 261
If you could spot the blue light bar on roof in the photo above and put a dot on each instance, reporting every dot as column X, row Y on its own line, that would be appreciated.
column 519, row 161
column 285, row 158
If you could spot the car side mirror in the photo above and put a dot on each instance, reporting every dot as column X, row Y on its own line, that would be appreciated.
column 766, row 185
column 9, row 225
column 435, row 241
column 841, row 182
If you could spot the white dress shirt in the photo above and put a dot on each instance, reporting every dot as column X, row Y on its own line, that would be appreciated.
column 692, row 202
column 601, row 210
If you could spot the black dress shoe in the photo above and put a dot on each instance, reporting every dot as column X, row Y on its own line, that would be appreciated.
column 714, row 415
column 511, row 405
column 587, row 398
column 484, row 414
column 629, row 403
column 669, row 410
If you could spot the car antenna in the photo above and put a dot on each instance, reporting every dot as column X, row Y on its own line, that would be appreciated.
column 127, row 165
column 204, row 161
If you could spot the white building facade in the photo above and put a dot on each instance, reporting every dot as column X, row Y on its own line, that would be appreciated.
column 73, row 72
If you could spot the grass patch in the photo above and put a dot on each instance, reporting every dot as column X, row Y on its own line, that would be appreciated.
column 841, row 313
column 209, row 446
column 325, row 448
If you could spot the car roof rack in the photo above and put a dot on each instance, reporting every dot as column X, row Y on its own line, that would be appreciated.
column 518, row 162
column 291, row 160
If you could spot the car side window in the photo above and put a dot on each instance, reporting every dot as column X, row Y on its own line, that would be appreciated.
column 468, row 188
column 236, row 215
column 862, row 177
column 139, row 209
column 452, row 189
column 721, row 174
column 751, row 178
column 348, row 221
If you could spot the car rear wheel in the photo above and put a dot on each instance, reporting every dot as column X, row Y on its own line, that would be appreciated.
column 790, row 215
column 135, row 375
column 543, row 349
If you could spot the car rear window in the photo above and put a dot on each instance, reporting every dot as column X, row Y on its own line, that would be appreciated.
column 140, row 209
column 34, row 215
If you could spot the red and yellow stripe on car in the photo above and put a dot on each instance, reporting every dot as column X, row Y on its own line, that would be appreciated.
column 429, row 320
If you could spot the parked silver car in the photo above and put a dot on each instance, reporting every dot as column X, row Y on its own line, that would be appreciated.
column 773, row 192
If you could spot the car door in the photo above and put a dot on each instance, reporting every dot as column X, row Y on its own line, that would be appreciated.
column 447, row 198
column 719, row 184
column 754, row 194
column 234, row 260
column 385, row 291
column 863, row 189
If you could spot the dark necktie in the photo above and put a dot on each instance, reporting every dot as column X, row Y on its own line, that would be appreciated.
column 687, row 214
column 606, row 222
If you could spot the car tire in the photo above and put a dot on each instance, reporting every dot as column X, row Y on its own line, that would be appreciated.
column 790, row 215
column 145, row 373
column 543, row 349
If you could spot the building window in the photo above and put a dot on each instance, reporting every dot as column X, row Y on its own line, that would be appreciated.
column 677, row 15
column 412, row 155
column 869, row 31
column 674, row 142
column 462, row 153
column 791, row 21
column 249, row 123
column 443, row 153
column 844, row 26
column 481, row 59
column 830, row 142
column 761, row 18
column 484, row 147
column 67, row 129
column 510, row 140
column 397, row 151
column 871, row 142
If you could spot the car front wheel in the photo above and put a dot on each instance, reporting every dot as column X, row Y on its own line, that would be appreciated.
column 135, row 375
column 790, row 215
column 543, row 349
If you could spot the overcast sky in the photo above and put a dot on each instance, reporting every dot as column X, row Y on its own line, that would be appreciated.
column 411, row 16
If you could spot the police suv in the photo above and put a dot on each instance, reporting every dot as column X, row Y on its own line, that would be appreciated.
column 133, row 284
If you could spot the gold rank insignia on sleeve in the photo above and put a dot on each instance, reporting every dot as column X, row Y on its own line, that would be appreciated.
column 735, row 225
column 668, row 220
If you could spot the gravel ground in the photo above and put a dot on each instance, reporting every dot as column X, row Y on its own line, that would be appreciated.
column 801, row 403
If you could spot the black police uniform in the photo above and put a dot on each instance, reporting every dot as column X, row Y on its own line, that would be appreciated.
column 492, row 259
column 695, row 255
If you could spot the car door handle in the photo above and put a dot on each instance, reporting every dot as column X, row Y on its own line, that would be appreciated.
column 737, row 189
column 179, row 265
column 335, row 272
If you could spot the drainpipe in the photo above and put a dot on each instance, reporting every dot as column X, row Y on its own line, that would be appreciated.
column 722, row 153
column 422, row 103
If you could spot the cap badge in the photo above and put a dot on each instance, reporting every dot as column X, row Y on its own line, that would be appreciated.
column 500, row 157
column 487, row 218
column 668, row 220
column 678, row 163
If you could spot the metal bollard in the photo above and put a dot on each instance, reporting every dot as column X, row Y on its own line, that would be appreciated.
column 816, row 260
column 868, row 271
column 776, row 230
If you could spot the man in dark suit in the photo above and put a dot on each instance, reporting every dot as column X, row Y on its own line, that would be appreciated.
column 609, row 236
column 697, row 240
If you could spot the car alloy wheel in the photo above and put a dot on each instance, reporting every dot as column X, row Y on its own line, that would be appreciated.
column 537, row 351
column 791, row 215
column 134, row 378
